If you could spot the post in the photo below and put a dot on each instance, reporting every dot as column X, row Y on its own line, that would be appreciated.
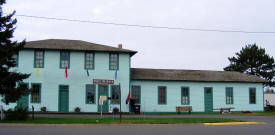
column 32, row 112
column 120, row 103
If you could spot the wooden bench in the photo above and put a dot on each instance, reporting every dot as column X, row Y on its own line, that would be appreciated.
column 225, row 109
column 180, row 109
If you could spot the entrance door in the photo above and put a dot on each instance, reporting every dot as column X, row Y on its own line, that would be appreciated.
column 63, row 104
column 103, row 91
column 208, row 99
column 23, row 102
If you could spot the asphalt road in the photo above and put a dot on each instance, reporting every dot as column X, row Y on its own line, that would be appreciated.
column 182, row 129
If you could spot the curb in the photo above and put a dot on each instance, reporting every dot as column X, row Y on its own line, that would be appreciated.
column 233, row 123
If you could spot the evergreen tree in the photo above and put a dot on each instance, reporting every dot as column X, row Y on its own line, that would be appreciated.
column 9, row 77
column 253, row 60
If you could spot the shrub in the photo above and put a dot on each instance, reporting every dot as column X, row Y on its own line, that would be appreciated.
column 77, row 110
column 43, row 109
column 116, row 110
column 18, row 113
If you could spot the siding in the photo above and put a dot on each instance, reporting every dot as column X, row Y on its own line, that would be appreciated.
column 240, row 90
column 51, row 76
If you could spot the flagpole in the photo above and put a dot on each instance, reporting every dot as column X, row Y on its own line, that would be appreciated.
column 120, row 103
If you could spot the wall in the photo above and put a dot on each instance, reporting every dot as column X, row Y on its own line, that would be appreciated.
column 270, row 97
column 51, row 76
column 149, row 99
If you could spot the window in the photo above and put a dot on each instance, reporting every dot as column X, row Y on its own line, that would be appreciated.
column 115, row 94
column 135, row 94
column 15, row 58
column 90, row 94
column 252, row 95
column 89, row 60
column 113, row 61
column 161, row 95
column 64, row 59
column 38, row 59
column 35, row 94
column 229, row 95
column 185, row 95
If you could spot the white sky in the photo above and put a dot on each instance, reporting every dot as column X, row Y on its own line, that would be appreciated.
column 157, row 48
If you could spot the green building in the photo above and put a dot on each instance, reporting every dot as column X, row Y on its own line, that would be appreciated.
column 67, row 74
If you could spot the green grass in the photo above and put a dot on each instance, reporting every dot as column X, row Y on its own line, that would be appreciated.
column 124, row 120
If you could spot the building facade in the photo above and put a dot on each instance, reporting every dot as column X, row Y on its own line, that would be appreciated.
column 66, row 74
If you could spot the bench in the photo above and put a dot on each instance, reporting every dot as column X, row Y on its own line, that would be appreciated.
column 225, row 109
column 180, row 109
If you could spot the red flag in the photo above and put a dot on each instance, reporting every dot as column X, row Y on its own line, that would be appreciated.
column 128, row 98
column 66, row 72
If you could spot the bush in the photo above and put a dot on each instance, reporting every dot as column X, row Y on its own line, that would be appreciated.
column 77, row 110
column 116, row 110
column 18, row 113
column 43, row 109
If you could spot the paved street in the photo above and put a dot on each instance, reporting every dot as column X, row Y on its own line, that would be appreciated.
column 194, row 129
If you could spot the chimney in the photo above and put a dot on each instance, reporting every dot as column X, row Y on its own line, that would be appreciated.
column 119, row 46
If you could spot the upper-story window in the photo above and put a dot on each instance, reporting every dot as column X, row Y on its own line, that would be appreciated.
column 113, row 61
column 89, row 60
column 64, row 59
column 39, row 59
column 15, row 58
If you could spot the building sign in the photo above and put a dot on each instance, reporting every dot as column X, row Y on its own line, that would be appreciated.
column 102, row 81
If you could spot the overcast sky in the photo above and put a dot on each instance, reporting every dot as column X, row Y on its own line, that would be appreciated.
column 157, row 48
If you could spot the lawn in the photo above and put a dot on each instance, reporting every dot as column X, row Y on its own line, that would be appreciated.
column 124, row 120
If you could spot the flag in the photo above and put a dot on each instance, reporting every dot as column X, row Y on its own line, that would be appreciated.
column 128, row 97
column 88, row 74
column 37, row 72
column 66, row 72
column 116, row 75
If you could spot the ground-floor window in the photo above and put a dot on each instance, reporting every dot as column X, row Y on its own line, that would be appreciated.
column 252, row 95
column 184, row 95
column 115, row 94
column 135, row 94
column 90, row 94
column 35, row 93
column 162, row 95
column 229, row 95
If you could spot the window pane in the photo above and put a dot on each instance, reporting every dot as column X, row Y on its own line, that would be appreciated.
column 90, row 94
column 162, row 95
column 64, row 59
column 185, row 95
column 39, row 59
column 115, row 94
column 35, row 94
column 252, row 95
column 113, row 61
column 136, row 93
column 89, row 61
column 229, row 95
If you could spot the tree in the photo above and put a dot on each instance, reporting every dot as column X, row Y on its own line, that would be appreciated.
column 9, row 78
column 253, row 60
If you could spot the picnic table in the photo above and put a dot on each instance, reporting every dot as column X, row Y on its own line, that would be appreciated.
column 224, row 109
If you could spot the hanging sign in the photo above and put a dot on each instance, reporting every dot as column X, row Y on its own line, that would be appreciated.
column 103, row 81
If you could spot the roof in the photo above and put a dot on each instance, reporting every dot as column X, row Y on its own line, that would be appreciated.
column 63, row 44
column 192, row 75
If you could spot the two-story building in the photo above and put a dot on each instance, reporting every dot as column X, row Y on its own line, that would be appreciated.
column 66, row 74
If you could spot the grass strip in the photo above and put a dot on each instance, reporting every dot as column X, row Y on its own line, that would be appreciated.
column 124, row 120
